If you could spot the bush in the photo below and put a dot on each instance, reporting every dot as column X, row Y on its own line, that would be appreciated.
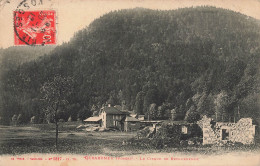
column 169, row 135
column 20, row 119
column 165, row 136
column 184, row 143
column 61, row 120
column 195, row 141
column 171, row 131
column 144, row 132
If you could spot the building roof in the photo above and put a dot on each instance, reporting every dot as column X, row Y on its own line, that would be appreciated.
column 126, row 112
column 119, row 107
column 151, row 121
column 113, row 111
column 181, row 122
column 93, row 119
column 131, row 119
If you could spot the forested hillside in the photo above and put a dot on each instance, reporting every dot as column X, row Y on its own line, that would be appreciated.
column 13, row 57
column 179, row 64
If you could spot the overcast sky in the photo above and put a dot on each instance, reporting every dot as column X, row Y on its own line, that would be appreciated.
column 73, row 15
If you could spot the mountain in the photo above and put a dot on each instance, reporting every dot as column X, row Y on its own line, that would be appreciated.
column 12, row 57
column 189, row 62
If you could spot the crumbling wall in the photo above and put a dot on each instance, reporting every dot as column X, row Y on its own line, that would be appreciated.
column 243, row 131
column 210, row 136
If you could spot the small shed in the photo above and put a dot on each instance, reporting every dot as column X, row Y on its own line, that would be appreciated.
column 131, row 124
column 93, row 120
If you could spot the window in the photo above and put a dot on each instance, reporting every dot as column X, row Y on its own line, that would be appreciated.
column 225, row 134
column 184, row 130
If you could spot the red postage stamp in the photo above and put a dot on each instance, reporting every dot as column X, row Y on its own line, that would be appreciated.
column 34, row 27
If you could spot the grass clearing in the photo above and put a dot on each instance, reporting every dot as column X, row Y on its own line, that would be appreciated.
column 40, row 138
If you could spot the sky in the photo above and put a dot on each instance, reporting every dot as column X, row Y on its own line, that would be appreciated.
column 73, row 15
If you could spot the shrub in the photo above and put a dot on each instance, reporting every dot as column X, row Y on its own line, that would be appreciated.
column 184, row 143
column 61, row 120
column 169, row 135
column 144, row 132
column 165, row 136
column 20, row 119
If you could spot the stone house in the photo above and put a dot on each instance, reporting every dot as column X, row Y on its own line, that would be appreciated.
column 131, row 124
column 222, row 132
column 112, row 117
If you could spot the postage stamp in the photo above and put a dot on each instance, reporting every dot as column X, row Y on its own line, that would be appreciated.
column 34, row 27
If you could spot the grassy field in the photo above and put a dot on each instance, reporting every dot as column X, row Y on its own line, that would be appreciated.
column 41, row 139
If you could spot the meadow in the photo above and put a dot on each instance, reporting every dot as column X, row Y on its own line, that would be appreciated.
column 40, row 138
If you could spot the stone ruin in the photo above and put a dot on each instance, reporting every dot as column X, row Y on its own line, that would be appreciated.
column 223, row 132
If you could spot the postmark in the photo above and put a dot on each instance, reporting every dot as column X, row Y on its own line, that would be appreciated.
column 34, row 27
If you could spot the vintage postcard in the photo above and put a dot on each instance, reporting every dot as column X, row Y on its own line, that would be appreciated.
column 130, row 82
